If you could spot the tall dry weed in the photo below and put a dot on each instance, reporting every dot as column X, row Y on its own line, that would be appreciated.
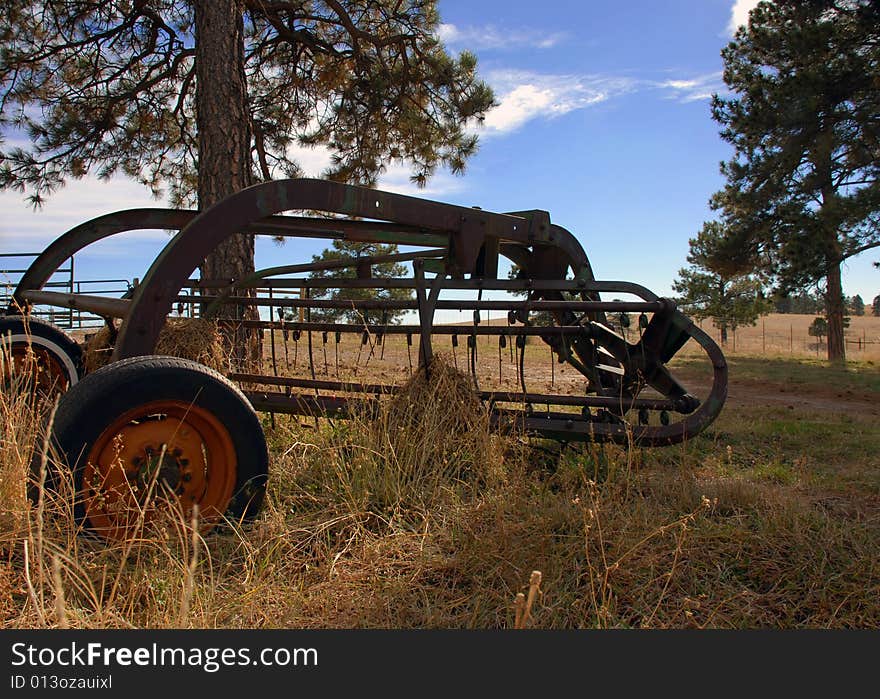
column 427, row 445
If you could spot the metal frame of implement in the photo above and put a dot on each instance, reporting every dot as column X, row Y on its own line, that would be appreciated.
column 461, row 248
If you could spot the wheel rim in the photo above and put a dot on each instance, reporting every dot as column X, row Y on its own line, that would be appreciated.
column 37, row 364
column 158, row 452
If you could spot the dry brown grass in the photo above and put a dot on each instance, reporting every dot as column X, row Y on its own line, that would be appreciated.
column 419, row 517
column 20, row 415
column 786, row 335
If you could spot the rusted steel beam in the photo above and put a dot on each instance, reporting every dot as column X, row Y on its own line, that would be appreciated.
column 310, row 405
column 328, row 265
column 340, row 386
column 99, row 305
column 358, row 231
column 376, row 328
column 572, row 427
column 623, row 404
column 493, row 396
column 532, row 285
column 462, row 305
column 563, row 426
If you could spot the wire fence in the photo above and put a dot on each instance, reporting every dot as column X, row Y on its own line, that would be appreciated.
column 779, row 338
column 13, row 266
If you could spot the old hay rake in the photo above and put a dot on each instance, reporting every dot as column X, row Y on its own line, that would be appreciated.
column 145, row 422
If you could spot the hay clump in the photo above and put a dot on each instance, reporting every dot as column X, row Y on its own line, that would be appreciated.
column 98, row 348
column 436, row 418
column 188, row 338
column 419, row 453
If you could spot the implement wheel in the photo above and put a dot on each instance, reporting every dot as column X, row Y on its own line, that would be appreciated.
column 150, row 435
column 39, row 352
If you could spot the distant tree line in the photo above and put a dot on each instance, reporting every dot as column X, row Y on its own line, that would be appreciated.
column 810, row 303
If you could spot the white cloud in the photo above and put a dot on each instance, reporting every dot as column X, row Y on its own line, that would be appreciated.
column 524, row 96
column 491, row 37
column 21, row 227
column 739, row 14
column 701, row 87
column 396, row 179
column 312, row 160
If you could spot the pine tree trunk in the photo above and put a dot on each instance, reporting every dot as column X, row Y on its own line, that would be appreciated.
column 223, row 123
column 835, row 311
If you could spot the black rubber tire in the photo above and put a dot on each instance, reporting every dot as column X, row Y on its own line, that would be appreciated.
column 94, row 403
column 36, row 332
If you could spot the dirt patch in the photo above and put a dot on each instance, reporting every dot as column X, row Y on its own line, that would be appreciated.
column 749, row 393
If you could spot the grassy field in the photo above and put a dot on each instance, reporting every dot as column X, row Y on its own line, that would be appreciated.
column 422, row 518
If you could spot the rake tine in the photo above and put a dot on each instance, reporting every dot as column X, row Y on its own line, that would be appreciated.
column 472, row 349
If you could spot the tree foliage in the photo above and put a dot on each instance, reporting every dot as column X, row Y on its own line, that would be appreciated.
column 730, row 300
column 818, row 328
column 803, row 115
column 347, row 250
column 875, row 306
column 803, row 302
column 856, row 305
column 110, row 86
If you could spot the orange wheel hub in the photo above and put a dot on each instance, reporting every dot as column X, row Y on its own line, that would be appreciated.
column 158, row 452
column 38, row 364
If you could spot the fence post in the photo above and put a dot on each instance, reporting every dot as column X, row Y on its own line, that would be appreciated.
column 71, row 291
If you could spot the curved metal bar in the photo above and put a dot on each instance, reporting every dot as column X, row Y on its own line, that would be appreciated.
column 78, row 237
column 709, row 409
column 564, row 240
column 185, row 252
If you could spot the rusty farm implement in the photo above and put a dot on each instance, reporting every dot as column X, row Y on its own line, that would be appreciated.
column 146, row 421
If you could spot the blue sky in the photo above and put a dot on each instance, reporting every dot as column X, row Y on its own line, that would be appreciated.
column 603, row 120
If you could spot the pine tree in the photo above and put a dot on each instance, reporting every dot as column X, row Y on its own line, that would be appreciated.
column 802, row 302
column 803, row 187
column 347, row 250
column 856, row 305
column 205, row 97
column 730, row 301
